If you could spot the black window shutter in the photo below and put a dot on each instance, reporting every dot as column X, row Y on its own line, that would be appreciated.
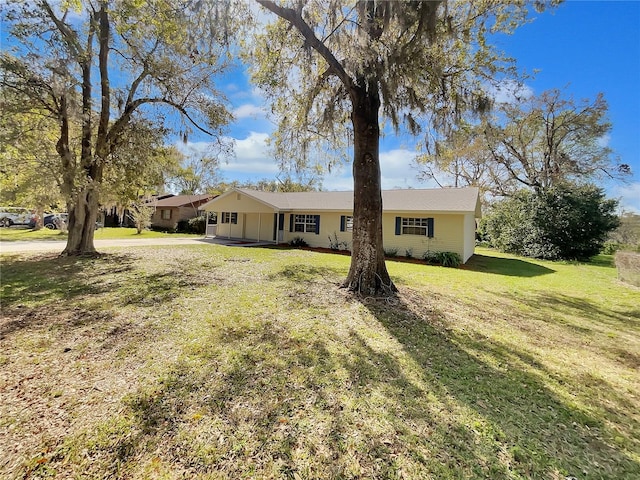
column 343, row 221
column 398, row 225
column 235, row 220
column 281, row 222
column 317, row 224
column 430, row 227
column 291, row 222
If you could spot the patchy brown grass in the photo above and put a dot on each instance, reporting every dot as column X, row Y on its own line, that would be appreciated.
column 216, row 362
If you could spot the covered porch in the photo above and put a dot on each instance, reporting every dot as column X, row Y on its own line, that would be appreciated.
column 241, row 218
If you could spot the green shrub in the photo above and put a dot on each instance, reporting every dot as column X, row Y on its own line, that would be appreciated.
column 569, row 222
column 431, row 257
column 182, row 226
column 158, row 228
column 609, row 248
column 391, row 252
column 298, row 242
column 449, row 259
column 446, row 259
column 408, row 252
column 197, row 225
column 193, row 225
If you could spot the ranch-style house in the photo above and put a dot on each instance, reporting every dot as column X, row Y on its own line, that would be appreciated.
column 414, row 221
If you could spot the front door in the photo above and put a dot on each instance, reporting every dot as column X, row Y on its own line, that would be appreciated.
column 280, row 227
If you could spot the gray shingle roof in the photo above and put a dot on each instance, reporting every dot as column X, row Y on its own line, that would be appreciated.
column 418, row 200
column 181, row 200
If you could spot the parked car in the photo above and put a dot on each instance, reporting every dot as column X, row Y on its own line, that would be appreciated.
column 15, row 216
column 53, row 221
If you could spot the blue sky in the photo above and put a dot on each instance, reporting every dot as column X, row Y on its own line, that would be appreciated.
column 586, row 46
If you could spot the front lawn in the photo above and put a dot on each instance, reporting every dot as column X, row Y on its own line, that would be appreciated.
column 16, row 233
column 228, row 362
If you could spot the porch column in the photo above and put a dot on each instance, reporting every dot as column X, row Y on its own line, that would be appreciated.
column 259, row 224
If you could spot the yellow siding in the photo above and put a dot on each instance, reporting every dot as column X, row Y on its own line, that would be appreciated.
column 251, row 226
column 230, row 230
column 266, row 227
column 258, row 226
column 329, row 225
column 452, row 233
column 469, row 236
column 448, row 235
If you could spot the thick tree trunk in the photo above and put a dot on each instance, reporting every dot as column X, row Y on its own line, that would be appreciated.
column 39, row 217
column 368, row 273
column 82, row 223
column 83, row 209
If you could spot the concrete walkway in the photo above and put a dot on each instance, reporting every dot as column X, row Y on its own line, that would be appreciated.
column 57, row 245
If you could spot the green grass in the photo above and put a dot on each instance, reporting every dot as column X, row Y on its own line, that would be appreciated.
column 14, row 234
column 225, row 362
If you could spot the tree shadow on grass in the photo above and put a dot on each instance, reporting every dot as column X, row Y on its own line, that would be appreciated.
column 505, row 266
column 542, row 433
column 51, row 277
column 589, row 312
column 81, row 289
column 305, row 273
column 264, row 399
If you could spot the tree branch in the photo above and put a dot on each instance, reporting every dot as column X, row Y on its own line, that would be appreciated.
column 130, row 108
column 295, row 19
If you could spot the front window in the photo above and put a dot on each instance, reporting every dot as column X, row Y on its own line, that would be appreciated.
column 415, row 226
column 304, row 223
column 348, row 223
column 166, row 214
column 229, row 217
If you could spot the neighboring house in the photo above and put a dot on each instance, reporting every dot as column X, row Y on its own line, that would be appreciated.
column 171, row 210
column 115, row 216
column 413, row 221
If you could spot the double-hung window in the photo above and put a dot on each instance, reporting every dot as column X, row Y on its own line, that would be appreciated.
column 305, row 223
column 229, row 217
column 165, row 214
column 414, row 226
column 346, row 223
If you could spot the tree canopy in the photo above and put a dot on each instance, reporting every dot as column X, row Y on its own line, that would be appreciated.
column 332, row 68
column 533, row 142
column 64, row 58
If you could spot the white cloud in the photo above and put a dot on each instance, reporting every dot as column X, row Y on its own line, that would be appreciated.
column 232, row 88
column 604, row 140
column 629, row 196
column 251, row 160
column 338, row 182
column 395, row 168
column 509, row 91
column 248, row 111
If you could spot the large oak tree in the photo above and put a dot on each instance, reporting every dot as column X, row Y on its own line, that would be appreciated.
column 334, row 68
column 533, row 142
column 94, row 64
